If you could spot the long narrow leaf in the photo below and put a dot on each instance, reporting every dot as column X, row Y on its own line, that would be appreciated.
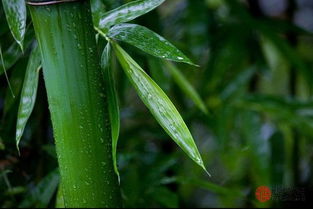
column 59, row 203
column 159, row 105
column 29, row 93
column 114, row 111
column 186, row 87
column 159, row 74
column 12, row 54
column 97, row 8
column 6, row 75
column 16, row 79
column 289, row 53
column 127, row 12
column 237, row 83
column 148, row 41
column 42, row 194
column 15, row 12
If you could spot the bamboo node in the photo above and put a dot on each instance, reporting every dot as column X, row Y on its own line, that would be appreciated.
column 48, row 2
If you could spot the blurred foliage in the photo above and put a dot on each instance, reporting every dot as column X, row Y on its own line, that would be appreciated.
column 255, row 78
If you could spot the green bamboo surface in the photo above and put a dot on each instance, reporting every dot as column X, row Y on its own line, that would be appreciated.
column 77, row 103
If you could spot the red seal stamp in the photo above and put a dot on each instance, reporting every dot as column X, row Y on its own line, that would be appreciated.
column 263, row 193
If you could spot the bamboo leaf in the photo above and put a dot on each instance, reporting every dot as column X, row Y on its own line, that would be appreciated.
column 6, row 75
column 159, row 74
column 166, row 197
column 237, row 83
column 16, row 79
column 15, row 12
column 28, row 94
column 127, row 12
column 114, row 111
column 42, row 194
column 288, row 52
column 12, row 54
column 186, row 87
column 97, row 7
column 148, row 41
column 282, row 109
column 214, row 188
column 59, row 203
column 159, row 105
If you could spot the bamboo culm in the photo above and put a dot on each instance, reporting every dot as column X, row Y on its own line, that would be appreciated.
column 77, row 103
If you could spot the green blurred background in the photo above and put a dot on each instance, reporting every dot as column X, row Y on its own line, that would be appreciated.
column 256, row 79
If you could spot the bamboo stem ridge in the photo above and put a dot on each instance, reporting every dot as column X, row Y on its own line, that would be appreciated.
column 77, row 104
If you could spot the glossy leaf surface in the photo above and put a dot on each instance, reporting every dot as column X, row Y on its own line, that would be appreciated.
column 159, row 105
column 127, row 12
column 113, row 105
column 15, row 11
column 148, row 41
column 28, row 94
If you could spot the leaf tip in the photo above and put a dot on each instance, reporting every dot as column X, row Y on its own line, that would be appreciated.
column 189, row 62
column 206, row 171
column 117, row 173
column 193, row 64
column 204, row 168
column 20, row 43
column 18, row 149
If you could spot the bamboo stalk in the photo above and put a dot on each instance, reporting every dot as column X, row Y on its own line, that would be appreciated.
column 77, row 103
